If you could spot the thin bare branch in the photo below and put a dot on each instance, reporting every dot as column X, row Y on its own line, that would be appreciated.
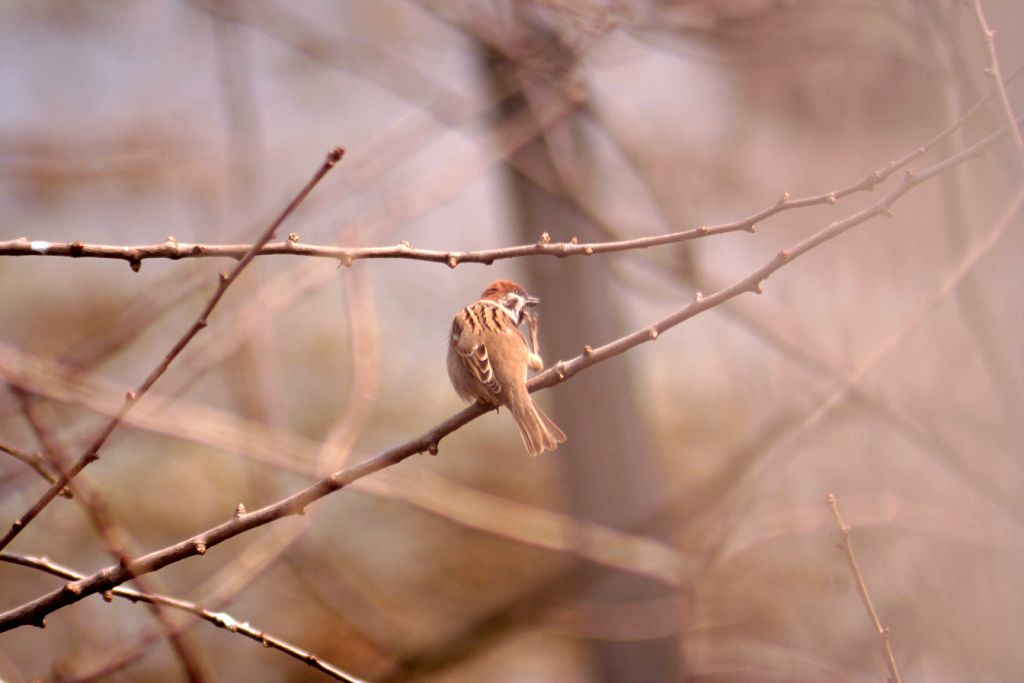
column 862, row 588
column 92, row 452
column 219, row 619
column 996, row 74
column 33, row 460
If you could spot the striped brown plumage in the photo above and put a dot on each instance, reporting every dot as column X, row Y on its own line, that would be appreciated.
column 488, row 359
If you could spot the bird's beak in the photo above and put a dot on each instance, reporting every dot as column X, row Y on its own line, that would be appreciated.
column 532, row 301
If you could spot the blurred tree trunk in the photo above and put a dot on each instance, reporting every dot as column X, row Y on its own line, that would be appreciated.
column 610, row 472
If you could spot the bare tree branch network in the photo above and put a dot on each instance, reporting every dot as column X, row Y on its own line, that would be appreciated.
column 639, row 167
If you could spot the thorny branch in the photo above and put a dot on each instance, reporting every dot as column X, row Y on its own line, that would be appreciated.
column 218, row 619
column 92, row 452
column 34, row 612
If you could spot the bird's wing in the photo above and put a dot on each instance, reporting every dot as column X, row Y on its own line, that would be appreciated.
column 474, row 356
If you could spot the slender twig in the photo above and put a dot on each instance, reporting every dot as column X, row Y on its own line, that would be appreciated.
column 980, row 319
column 995, row 73
column 219, row 619
column 862, row 588
column 33, row 460
column 34, row 612
column 226, row 279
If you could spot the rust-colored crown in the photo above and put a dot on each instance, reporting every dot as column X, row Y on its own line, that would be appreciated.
column 499, row 288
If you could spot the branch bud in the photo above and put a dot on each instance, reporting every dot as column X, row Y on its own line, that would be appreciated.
column 335, row 155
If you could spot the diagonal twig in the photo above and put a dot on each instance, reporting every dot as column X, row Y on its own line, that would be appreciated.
column 92, row 452
column 862, row 588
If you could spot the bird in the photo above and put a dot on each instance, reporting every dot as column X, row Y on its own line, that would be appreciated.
column 488, row 358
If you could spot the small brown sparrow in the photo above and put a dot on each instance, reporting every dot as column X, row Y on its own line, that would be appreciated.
column 488, row 357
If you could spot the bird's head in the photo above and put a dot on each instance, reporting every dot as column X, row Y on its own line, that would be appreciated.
column 510, row 296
